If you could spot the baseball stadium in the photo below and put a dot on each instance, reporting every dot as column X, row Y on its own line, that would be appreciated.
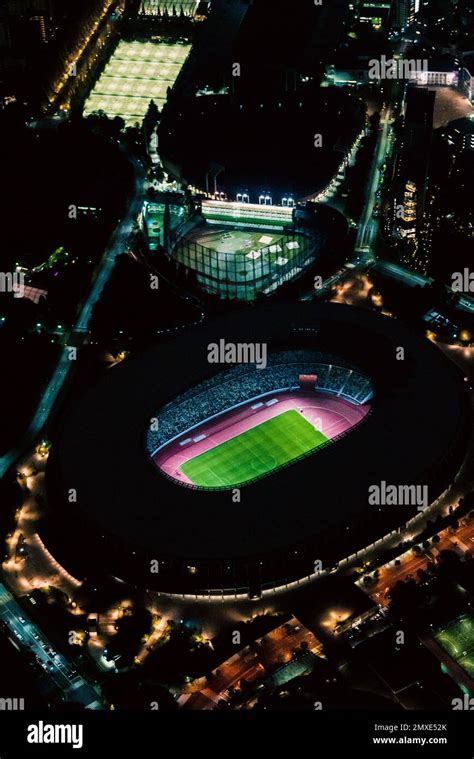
column 241, row 262
column 241, row 163
column 240, row 251
column 238, row 455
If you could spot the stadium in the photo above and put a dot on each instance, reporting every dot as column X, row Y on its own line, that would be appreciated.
column 239, row 161
column 246, row 253
column 301, row 401
column 240, row 251
column 235, row 476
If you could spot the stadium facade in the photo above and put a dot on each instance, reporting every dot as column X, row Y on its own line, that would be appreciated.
column 130, row 517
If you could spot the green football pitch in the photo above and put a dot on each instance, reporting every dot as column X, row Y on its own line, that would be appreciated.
column 255, row 452
column 457, row 639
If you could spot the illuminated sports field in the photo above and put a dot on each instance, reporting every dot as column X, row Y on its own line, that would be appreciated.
column 137, row 73
column 245, row 245
column 255, row 452
column 457, row 639
column 242, row 261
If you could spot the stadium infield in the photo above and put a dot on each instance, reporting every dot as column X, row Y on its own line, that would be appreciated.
column 247, row 247
column 457, row 639
column 255, row 452
column 330, row 415
column 241, row 262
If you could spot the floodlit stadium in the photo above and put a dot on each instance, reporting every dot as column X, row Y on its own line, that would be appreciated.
column 136, row 73
column 240, row 263
column 240, row 250
column 157, row 447
column 246, row 423
column 457, row 639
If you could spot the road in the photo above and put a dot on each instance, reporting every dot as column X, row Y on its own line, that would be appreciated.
column 253, row 663
column 406, row 276
column 368, row 224
column 462, row 540
column 117, row 245
column 26, row 635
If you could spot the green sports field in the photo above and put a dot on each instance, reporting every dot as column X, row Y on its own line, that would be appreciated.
column 136, row 73
column 255, row 452
column 457, row 639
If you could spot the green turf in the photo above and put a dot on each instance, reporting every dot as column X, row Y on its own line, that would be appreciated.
column 255, row 452
column 457, row 639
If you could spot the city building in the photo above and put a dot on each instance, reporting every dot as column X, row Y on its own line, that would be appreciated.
column 441, row 71
column 410, row 202
column 404, row 13
column 374, row 12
